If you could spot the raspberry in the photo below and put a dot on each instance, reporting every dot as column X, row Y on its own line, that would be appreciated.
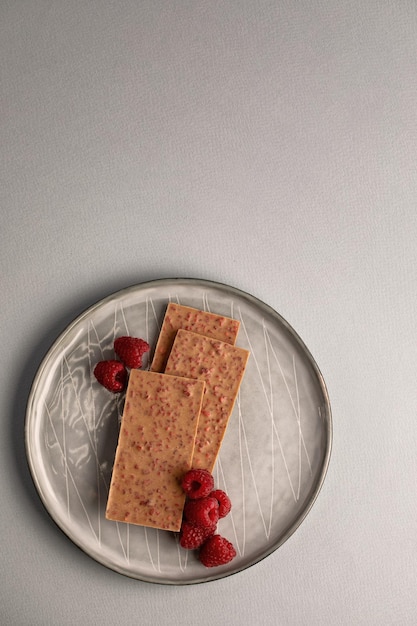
column 130, row 350
column 192, row 537
column 223, row 499
column 197, row 483
column 202, row 512
column 216, row 550
column 112, row 375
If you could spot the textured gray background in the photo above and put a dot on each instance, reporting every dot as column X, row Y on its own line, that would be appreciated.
column 270, row 145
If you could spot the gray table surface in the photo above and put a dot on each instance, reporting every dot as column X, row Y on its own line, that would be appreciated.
column 268, row 145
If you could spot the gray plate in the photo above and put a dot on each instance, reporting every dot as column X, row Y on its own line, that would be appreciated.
column 272, row 462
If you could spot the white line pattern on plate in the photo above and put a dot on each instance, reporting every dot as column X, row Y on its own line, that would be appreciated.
column 69, row 473
column 297, row 412
column 274, row 426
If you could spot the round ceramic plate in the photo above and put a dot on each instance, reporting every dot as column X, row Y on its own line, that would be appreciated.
column 272, row 462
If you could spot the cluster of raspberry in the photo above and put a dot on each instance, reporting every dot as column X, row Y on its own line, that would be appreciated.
column 203, row 508
column 113, row 373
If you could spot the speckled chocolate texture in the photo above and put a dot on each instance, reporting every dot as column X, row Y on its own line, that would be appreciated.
column 154, row 450
column 221, row 366
column 178, row 317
